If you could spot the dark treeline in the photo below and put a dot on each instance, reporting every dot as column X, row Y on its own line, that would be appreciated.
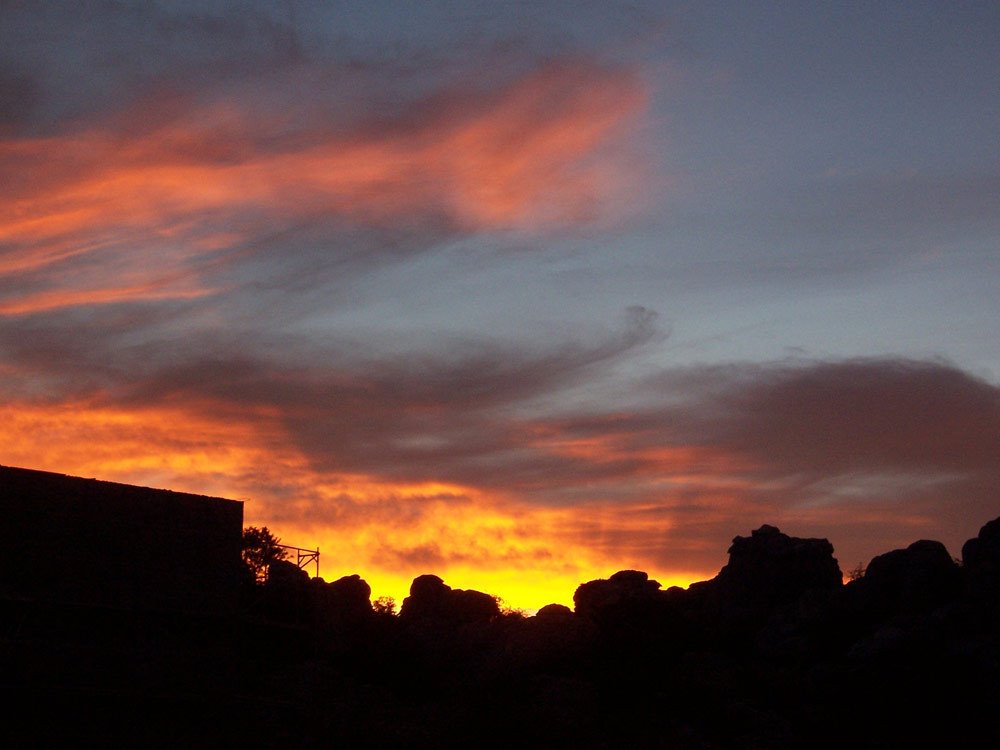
column 774, row 652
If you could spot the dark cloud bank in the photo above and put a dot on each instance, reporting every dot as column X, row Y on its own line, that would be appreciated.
column 866, row 452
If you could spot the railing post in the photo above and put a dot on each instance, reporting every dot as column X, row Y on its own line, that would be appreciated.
column 303, row 556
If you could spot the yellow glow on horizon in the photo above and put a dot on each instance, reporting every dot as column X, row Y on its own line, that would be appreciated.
column 521, row 557
column 527, row 590
column 386, row 532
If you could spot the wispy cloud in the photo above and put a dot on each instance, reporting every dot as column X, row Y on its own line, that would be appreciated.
column 472, row 462
column 210, row 185
column 184, row 187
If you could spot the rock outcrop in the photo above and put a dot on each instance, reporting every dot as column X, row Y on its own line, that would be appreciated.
column 769, row 568
column 981, row 560
column 432, row 599
column 907, row 581
column 626, row 588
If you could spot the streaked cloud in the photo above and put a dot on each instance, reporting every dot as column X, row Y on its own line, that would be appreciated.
column 403, row 466
column 203, row 189
column 195, row 203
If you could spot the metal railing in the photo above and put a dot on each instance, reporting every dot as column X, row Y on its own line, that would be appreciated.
column 302, row 557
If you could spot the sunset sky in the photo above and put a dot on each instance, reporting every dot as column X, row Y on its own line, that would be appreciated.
column 520, row 294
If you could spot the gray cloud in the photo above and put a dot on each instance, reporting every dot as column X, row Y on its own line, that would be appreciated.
column 824, row 417
column 872, row 453
column 63, row 62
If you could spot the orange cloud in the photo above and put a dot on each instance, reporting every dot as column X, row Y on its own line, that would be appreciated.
column 530, row 155
column 389, row 532
column 530, row 511
column 68, row 298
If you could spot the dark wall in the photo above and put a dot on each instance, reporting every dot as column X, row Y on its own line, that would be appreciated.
column 69, row 540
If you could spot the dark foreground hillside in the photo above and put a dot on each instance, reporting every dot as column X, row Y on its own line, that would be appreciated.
column 774, row 652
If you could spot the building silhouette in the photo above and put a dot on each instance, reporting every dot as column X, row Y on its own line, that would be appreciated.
column 88, row 543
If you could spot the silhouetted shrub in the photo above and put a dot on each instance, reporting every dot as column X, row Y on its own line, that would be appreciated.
column 259, row 549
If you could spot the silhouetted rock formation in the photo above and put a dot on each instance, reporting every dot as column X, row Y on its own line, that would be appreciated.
column 981, row 559
column 554, row 639
column 344, row 603
column 350, row 594
column 555, row 613
column 773, row 652
column 432, row 599
column 285, row 573
column 907, row 581
column 769, row 568
column 631, row 613
column 624, row 589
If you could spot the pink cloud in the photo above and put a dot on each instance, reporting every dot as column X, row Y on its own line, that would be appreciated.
column 533, row 154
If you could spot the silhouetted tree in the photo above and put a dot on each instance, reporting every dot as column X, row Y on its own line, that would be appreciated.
column 856, row 573
column 260, row 549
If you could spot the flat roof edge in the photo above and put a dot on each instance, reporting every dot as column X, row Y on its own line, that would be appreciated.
column 57, row 475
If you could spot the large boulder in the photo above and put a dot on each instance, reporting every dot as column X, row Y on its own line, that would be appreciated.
column 351, row 592
column 287, row 592
column 470, row 606
column 346, row 601
column 633, row 617
column 769, row 568
column 626, row 589
column 981, row 559
column 554, row 638
column 431, row 598
column 428, row 598
column 554, row 613
column 285, row 573
column 914, row 580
